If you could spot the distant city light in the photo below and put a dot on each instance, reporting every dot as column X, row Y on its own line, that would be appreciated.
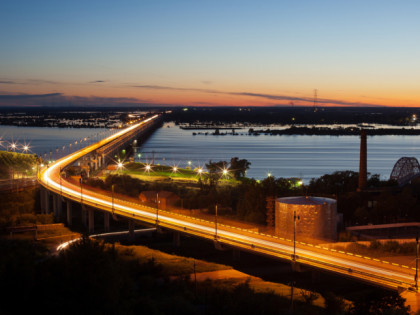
column 268, row 174
column 174, row 169
column 119, row 165
column 199, row 171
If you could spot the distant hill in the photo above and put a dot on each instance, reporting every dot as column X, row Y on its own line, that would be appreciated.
column 17, row 162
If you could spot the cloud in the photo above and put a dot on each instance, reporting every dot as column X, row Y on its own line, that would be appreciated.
column 59, row 99
column 28, row 82
column 302, row 100
column 27, row 96
column 97, row 81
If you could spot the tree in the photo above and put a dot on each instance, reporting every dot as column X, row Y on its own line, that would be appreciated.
column 215, row 170
column 239, row 167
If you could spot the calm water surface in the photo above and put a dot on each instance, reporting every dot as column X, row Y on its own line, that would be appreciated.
column 282, row 156
column 43, row 139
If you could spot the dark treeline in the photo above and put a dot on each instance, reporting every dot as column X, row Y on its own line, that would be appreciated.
column 350, row 131
column 12, row 162
column 383, row 201
column 294, row 115
column 250, row 200
column 22, row 208
column 244, row 201
column 224, row 115
column 93, row 278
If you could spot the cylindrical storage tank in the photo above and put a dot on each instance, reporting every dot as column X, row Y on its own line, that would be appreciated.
column 316, row 217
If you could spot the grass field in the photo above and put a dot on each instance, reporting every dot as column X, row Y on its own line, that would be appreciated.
column 157, row 172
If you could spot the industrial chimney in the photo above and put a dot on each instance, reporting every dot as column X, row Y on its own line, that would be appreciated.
column 363, row 161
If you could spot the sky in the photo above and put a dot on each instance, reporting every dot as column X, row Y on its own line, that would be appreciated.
column 210, row 53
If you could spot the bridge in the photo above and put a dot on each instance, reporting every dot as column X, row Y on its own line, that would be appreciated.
column 371, row 270
column 405, row 170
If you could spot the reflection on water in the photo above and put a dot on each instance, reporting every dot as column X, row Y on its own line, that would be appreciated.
column 282, row 156
column 43, row 139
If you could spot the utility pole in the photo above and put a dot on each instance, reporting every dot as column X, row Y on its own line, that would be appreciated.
column 294, row 234
column 417, row 262
column 157, row 208
column 61, row 186
column 215, row 221
column 81, row 190
column 112, row 187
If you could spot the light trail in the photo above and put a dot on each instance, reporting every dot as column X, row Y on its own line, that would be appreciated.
column 66, row 244
column 357, row 267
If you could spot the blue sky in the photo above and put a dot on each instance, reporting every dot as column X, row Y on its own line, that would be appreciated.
column 357, row 51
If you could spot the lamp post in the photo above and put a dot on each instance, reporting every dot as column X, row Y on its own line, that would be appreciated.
column 81, row 190
column 61, row 187
column 112, row 188
column 215, row 221
column 157, row 208
column 294, row 234
column 417, row 263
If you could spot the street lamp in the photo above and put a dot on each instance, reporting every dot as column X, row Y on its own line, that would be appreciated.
column 417, row 263
column 294, row 234
column 81, row 190
column 215, row 221
column 157, row 208
column 61, row 187
column 112, row 188
column 119, row 166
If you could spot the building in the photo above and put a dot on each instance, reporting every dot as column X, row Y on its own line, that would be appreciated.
column 315, row 217
column 165, row 198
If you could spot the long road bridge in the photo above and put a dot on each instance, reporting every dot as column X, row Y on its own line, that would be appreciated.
column 374, row 271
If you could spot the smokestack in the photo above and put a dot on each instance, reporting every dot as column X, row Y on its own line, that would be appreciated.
column 363, row 161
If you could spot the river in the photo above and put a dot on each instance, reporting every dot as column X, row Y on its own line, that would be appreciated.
column 282, row 156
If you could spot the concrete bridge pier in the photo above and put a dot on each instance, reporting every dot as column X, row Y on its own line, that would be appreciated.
column 91, row 220
column 69, row 217
column 42, row 198
column 176, row 241
column 47, row 201
column 106, row 221
column 55, row 205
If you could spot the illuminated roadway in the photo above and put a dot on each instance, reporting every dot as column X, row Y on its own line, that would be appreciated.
column 381, row 273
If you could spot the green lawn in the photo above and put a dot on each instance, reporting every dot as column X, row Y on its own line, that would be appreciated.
column 139, row 170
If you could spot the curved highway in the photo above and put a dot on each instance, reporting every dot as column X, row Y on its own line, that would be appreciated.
column 368, row 269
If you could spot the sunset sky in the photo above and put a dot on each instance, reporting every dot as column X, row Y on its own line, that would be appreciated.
column 245, row 53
